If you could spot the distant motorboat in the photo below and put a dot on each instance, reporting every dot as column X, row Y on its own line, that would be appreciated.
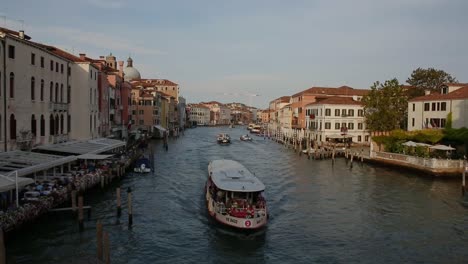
column 245, row 138
column 223, row 138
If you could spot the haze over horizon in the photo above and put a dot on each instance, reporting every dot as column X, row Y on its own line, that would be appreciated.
column 229, row 51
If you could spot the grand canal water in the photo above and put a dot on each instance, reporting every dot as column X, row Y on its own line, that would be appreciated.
column 318, row 213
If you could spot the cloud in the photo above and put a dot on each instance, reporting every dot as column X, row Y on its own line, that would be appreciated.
column 252, row 77
column 99, row 40
column 109, row 4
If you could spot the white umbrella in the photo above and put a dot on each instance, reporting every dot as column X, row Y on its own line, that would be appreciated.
column 441, row 147
column 423, row 145
column 410, row 144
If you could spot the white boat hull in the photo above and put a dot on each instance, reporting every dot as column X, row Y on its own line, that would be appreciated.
column 140, row 170
column 259, row 219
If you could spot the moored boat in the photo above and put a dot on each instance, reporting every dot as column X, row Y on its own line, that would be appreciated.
column 234, row 195
column 142, row 165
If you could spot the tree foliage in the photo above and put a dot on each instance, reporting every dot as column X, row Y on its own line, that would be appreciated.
column 428, row 79
column 385, row 106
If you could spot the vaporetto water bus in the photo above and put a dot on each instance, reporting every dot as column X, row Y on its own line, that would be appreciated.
column 235, row 196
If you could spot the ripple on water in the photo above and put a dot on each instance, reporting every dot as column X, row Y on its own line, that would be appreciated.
column 319, row 213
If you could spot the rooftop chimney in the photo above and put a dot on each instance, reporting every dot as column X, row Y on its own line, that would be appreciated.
column 21, row 34
column 101, row 57
column 82, row 56
column 427, row 92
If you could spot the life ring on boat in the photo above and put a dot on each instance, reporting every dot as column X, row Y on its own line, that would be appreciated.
column 248, row 223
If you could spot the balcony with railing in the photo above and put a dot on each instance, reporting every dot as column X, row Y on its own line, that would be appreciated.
column 54, row 106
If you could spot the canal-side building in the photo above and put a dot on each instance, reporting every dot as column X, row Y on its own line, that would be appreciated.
column 336, row 118
column 182, row 112
column 275, row 107
column 284, row 119
column 35, row 94
column 432, row 110
column 144, row 110
column 159, row 85
column 220, row 113
column 303, row 98
column 84, row 108
column 199, row 114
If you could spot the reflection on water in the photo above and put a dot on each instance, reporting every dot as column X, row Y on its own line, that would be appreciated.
column 318, row 213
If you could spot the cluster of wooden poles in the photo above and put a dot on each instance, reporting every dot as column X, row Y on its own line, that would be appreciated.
column 326, row 152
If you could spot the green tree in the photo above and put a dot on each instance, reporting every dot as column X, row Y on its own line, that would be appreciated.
column 449, row 121
column 427, row 79
column 385, row 106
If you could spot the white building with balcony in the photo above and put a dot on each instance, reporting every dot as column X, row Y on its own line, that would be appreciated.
column 200, row 114
column 327, row 118
column 432, row 110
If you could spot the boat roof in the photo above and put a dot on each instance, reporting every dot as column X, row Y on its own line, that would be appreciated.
column 230, row 175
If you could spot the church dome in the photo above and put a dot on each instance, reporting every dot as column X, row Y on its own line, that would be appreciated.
column 131, row 73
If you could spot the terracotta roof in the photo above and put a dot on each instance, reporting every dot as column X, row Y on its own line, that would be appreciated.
column 288, row 105
column 165, row 94
column 343, row 90
column 284, row 99
column 211, row 103
column 459, row 94
column 199, row 106
column 13, row 33
column 153, row 82
column 456, row 84
column 337, row 100
column 62, row 53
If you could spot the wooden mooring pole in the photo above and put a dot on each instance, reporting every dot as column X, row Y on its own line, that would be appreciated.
column 73, row 198
column 119, row 204
column 99, row 240
column 465, row 169
column 106, row 248
column 2, row 248
column 130, row 213
column 80, row 213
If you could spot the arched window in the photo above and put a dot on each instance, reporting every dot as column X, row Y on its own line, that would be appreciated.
column 33, row 125
column 69, row 94
column 69, row 124
column 42, row 126
column 33, row 89
column 12, row 85
column 12, row 127
column 42, row 90
column 56, row 92
column 56, row 125
column 90, row 96
column 61, row 124
column 51, row 125
column 95, row 122
column 90, row 123
column 51, row 92
column 61, row 93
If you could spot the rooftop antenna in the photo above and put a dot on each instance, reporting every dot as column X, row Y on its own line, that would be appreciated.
column 22, row 24
column 4, row 21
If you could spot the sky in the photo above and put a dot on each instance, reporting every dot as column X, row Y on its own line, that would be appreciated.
column 253, row 51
